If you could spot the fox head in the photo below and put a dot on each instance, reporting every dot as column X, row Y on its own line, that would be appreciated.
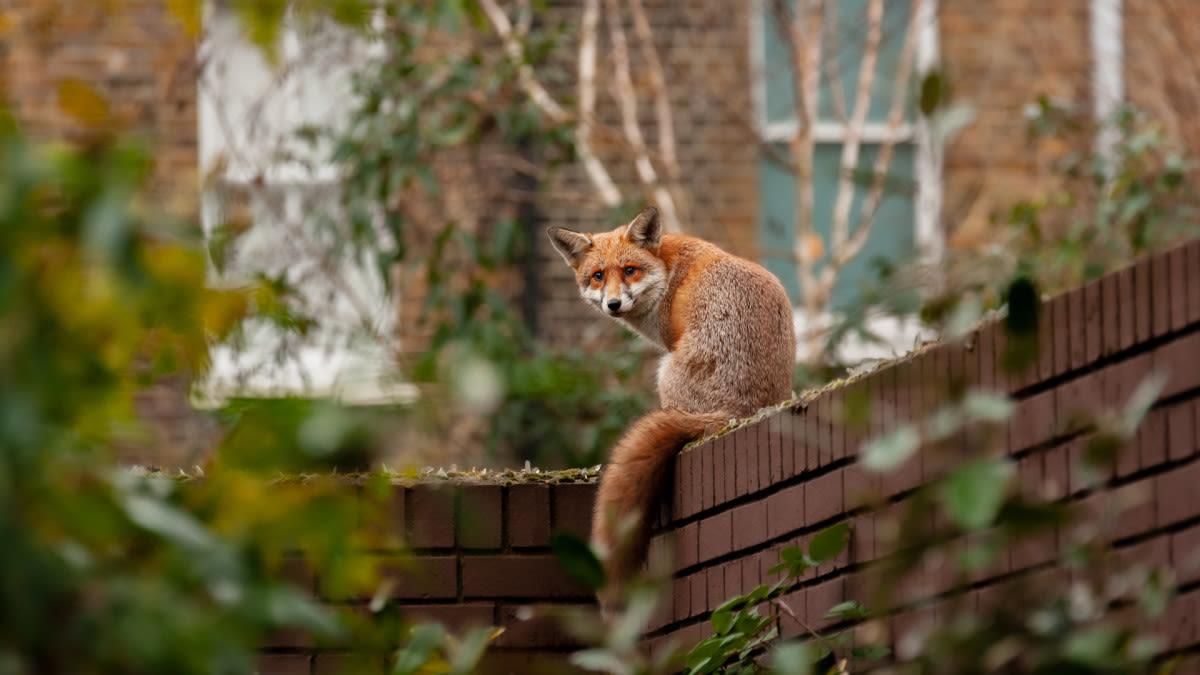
column 619, row 272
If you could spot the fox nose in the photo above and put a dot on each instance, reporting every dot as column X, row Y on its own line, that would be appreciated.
column 614, row 305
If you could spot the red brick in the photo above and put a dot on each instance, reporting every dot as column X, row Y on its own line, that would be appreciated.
column 1181, row 620
column 1056, row 468
column 282, row 664
column 1093, row 322
column 789, row 604
column 1160, row 288
column 835, row 424
column 689, row 497
column 862, row 538
column 1032, row 421
column 1185, row 555
column 534, row 627
column 528, row 515
column 742, row 444
column 573, row 505
column 1179, row 360
column 708, row 477
column 1122, row 378
column 764, row 458
column 822, row 597
column 517, row 576
column 1193, row 273
column 1143, row 298
column 337, row 664
column 1046, row 337
column 750, row 524
column 1078, row 331
column 681, row 597
column 774, row 449
column 823, row 497
column 1152, row 439
column 733, row 578
column 1178, row 496
column 1181, row 436
column 715, row 536
column 480, row 516
column 752, row 576
column 787, row 443
column 1126, row 300
column 1136, row 514
column 986, row 345
column 687, row 545
column 1077, row 401
column 1177, row 263
column 737, row 460
column 1110, row 309
column 395, row 523
column 699, row 592
column 785, row 511
column 432, row 511
column 458, row 618
column 720, row 449
column 716, row 586
column 421, row 577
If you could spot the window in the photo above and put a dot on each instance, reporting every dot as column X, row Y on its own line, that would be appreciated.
column 905, row 222
column 262, row 176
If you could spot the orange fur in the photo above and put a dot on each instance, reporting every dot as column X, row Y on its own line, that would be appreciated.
column 726, row 325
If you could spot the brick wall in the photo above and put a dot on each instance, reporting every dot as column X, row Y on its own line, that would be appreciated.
column 477, row 555
column 742, row 497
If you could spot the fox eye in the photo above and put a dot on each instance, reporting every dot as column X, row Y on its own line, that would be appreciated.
column 598, row 275
column 630, row 270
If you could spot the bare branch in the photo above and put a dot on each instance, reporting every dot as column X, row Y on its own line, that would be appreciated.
column 609, row 194
column 627, row 101
column 833, row 70
column 852, row 142
column 658, row 87
column 883, row 160
column 802, row 32
column 525, row 76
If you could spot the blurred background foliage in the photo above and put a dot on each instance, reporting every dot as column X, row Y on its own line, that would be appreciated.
column 113, row 570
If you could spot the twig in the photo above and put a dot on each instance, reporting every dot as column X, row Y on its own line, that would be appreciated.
column 627, row 102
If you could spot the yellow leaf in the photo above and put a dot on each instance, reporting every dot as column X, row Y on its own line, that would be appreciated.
column 80, row 101
column 189, row 14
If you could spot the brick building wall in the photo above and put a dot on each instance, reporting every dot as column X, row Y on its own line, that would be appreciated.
column 134, row 54
column 704, row 49
column 738, row 499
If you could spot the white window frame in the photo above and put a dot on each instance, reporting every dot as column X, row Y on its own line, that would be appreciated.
column 928, row 235
column 326, row 366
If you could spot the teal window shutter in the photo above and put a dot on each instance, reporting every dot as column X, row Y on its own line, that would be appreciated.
column 892, row 236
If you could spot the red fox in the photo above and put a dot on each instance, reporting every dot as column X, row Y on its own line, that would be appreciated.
column 726, row 326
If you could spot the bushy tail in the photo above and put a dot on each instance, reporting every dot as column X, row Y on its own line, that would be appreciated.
column 633, row 484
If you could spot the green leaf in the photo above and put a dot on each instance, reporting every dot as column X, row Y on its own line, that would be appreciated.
column 1140, row 402
column 577, row 560
column 600, row 661
column 470, row 649
column 829, row 543
column 793, row 658
column 423, row 640
column 974, row 492
column 722, row 621
column 168, row 522
column 988, row 407
column 847, row 610
column 891, row 450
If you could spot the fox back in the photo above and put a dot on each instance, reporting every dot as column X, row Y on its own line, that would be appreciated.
column 726, row 326
column 725, row 322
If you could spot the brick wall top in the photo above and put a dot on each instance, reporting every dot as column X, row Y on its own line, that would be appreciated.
column 481, row 552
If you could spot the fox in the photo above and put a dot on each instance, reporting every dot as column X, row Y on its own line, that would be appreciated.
column 724, row 325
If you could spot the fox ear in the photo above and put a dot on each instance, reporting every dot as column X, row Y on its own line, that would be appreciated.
column 570, row 245
column 646, row 229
